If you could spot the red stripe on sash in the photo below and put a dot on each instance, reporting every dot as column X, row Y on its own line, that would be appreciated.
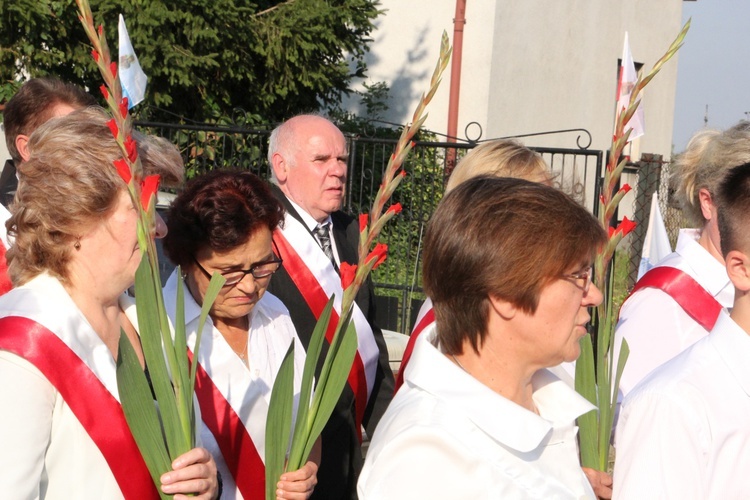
column 688, row 293
column 5, row 283
column 92, row 404
column 236, row 445
column 426, row 320
column 316, row 299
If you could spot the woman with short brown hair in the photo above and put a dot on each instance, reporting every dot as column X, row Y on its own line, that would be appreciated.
column 507, row 264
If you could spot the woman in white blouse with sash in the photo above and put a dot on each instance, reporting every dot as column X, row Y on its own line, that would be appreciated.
column 222, row 223
column 74, row 253
column 507, row 264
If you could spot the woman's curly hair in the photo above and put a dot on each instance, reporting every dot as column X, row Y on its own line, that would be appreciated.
column 67, row 186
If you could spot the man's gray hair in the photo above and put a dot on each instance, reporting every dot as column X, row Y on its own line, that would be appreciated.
column 280, row 141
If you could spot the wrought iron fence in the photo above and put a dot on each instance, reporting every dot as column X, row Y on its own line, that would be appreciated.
column 397, row 282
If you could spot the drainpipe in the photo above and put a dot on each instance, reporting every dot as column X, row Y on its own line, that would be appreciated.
column 458, row 41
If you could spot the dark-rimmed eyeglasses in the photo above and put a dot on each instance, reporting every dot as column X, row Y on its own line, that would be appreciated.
column 583, row 279
column 259, row 271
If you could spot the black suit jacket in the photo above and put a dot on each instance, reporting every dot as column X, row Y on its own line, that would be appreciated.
column 8, row 183
column 342, row 456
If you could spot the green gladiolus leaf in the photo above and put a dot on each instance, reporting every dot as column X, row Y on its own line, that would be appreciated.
column 280, row 413
column 302, row 426
column 586, row 386
column 327, row 398
column 214, row 287
column 140, row 411
column 146, row 307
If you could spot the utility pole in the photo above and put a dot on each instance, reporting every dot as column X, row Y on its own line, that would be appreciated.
column 458, row 41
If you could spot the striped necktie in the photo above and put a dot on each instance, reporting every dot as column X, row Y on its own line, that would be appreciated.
column 324, row 238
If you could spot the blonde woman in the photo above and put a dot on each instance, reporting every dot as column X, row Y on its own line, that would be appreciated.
column 676, row 303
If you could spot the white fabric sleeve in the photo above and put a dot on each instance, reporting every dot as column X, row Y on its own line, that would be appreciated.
column 424, row 462
column 27, row 400
column 662, row 448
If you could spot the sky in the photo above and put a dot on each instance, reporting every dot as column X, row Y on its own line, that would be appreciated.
column 713, row 68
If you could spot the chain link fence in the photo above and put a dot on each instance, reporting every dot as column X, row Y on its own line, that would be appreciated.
column 652, row 174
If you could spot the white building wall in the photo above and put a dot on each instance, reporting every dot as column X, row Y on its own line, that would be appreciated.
column 530, row 66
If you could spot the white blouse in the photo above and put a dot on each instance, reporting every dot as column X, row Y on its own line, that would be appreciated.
column 44, row 450
column 447, row 436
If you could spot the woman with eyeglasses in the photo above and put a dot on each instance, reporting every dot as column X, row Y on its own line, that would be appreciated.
column 223, row 223
column 507, row 263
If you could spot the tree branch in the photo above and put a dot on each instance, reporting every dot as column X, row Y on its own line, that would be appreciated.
column 258, row 14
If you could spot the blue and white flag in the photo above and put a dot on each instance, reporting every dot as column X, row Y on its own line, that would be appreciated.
column 656, row 245
column 132, row 77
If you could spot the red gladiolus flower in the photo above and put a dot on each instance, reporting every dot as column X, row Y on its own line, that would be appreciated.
column 403, row 173
column 123, row 169
column 113, row 69
column 148, row 189
column 610, row 231
column 100, row 30
column 394, row 209
column 625, row 227
column 113, row 127
column 626, row 188
column 379, row 253
column 95, row 55
column 348, row 272
column 124, row 107
column 363, row 218
column 104, row 91
column 131, row 148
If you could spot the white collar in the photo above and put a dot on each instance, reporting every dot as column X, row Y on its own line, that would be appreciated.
column 518, row 428
column 307, row 219
column 710, row 273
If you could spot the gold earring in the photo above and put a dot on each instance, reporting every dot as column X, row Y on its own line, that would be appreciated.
column 77, row 244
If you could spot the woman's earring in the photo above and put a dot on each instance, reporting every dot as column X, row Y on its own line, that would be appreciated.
column 77, row 244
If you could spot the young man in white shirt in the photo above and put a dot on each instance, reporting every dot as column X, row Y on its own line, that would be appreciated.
column 684, row 431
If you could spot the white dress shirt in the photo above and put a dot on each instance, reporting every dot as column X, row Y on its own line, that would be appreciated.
column 654, row 325
column 310, row 223
column 447, row 436
column 45, row 452
column 684, row 432
column 247, row 389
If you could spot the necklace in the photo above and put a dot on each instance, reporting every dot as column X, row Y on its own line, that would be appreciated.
column 459, row 363
column 243, row 353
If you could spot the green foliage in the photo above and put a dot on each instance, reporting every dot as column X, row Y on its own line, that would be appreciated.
column 203, row 57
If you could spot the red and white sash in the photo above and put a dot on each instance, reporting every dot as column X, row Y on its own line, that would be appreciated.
column 425, row 318
column 77, row 363
column 317, row 281
column 233, row 408
column 241, row 441
column 688, row 293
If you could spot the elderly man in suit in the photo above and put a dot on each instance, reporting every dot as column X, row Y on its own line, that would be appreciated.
column 308, row 155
